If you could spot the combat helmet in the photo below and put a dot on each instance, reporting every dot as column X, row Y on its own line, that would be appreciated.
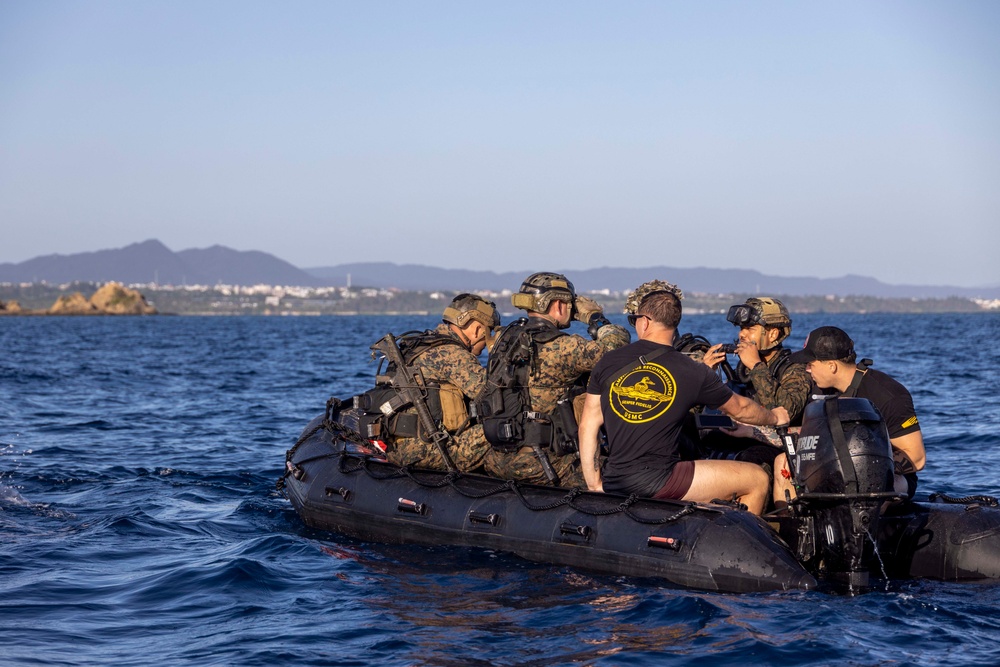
column 762, row 310
column 540, row 289
column 465, row 307
column 635, row 298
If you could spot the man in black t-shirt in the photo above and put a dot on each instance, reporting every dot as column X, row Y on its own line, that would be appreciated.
column 641, row 394
column 831, row 361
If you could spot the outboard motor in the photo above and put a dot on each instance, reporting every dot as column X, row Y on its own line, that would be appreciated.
column 843, row 472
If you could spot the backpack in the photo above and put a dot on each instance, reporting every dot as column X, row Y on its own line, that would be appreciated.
column 504, row 405
column 382, row 407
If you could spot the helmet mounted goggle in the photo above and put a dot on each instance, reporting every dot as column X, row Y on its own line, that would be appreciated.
column 743, row 315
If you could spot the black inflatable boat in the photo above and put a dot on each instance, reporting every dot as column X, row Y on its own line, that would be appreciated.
column 843, row 526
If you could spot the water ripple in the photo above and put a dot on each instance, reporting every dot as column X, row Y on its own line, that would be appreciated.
column 141, row 523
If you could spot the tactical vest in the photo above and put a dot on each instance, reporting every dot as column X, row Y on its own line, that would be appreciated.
column 504, row 406
column 385, row 409
column 742, row 373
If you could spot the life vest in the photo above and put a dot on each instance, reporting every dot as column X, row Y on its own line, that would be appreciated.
column 504, row 406
column 384, row 406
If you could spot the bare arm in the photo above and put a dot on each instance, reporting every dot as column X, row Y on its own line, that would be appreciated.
column 911, row 444
column 747, row 411
column 590, row 425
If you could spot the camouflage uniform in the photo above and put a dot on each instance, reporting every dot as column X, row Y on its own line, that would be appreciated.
column 560, row 365
column 454, row 365
column 790, row 392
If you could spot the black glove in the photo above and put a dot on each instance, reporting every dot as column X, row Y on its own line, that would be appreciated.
column 597, row 320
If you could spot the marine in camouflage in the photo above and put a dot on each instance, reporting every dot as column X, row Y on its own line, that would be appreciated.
column 560, row 364
column 455, row 365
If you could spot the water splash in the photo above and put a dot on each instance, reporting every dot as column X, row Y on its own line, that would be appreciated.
column 881, row 563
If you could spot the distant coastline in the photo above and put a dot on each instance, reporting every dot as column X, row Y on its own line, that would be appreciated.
column 67, row 299
column 153, row 266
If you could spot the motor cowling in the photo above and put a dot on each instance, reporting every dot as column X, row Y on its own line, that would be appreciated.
column 843, row 472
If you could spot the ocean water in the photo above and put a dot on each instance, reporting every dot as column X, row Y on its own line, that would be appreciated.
column 139, row 522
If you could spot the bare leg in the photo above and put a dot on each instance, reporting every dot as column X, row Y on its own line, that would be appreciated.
column 781, row 483
column 721, row 479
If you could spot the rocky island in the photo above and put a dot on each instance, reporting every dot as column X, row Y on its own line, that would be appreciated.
column 110, row 299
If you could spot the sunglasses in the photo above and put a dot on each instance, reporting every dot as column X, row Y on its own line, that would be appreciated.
column 632, row 319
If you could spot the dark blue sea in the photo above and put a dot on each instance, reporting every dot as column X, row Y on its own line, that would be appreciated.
column 139, row 522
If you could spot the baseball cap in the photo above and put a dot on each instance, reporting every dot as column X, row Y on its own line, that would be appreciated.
column 824, row 344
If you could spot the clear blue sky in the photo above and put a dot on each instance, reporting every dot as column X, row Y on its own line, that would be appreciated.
column 796, row 138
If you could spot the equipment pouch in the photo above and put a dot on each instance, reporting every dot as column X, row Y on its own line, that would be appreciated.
column 566, row 436
column 373, row 400
column 403, row 425
column 454, row 411
column 505, row 435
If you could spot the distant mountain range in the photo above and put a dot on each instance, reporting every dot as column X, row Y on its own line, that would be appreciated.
column 152, row 262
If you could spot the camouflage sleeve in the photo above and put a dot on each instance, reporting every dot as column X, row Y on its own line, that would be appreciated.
column 578, row 353
column 612, row 337
column 560, row 363
column 452, row 364
column 792, row 393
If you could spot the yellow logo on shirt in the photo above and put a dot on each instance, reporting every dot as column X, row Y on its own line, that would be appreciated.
column 910, row 422
column 642, row 394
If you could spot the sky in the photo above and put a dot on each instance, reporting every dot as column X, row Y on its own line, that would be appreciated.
column 795, row 138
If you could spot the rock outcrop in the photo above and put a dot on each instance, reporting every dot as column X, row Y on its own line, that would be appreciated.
column 10, row 308
column 116, row 299
column 111, row 299
column 72, row 304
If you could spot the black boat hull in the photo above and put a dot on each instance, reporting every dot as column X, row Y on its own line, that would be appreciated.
column 951, row 542
column 335, row 485
column 706, row 547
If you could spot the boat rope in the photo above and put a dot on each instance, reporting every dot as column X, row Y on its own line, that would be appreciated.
column 516, row 488
column 988, row 501
column 291, row 468
column 503, row 486
column 684, row 511
column 351, row 463
column 335, row 429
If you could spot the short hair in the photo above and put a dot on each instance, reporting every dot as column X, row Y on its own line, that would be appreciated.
column 852, row 358
column 662, row 307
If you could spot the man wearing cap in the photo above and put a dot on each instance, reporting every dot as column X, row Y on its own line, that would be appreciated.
column 641, row 395
column 448, row 359
column 831, row 361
